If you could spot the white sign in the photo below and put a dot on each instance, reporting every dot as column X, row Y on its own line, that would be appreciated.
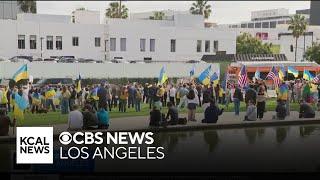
column 34, row 145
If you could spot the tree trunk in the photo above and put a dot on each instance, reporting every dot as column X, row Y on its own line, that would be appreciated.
column 295, row 52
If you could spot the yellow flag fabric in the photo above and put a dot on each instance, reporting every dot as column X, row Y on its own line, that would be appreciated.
column 51, row 93
column 17, row 112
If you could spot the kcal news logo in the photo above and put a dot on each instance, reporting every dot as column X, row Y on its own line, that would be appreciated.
column 34, row 145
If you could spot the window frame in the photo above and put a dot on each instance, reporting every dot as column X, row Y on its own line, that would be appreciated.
column 152, row 48
column 59, row 43
column 21, row 41
column 75, row 41
column 143, row 44
column 115, row 44
column 199, row 46
column 173, row 45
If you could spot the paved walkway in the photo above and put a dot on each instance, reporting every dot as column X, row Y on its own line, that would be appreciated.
column 227, row 118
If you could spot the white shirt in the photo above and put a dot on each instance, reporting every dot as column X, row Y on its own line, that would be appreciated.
column 75, row 120
column 172, row 92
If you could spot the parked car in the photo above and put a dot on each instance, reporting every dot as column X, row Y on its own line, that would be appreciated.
column 87, row 60
column 2, row 59
column 37, row 60
column 67, row 60
column 54, row 82
column 23, row 59
column 137, row 62
column 99, row 61
column 53, row 60
column 195, row 61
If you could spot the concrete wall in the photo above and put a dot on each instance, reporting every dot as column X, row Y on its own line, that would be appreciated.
column 9, row 9
column 105, row 70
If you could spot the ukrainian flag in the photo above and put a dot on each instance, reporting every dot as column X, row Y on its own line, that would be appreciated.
column 22, row 73
column 293, row 71
column 50, row 93
column 204, row 77
column 20, row 104
column 79, row 84
column 282, row 72
column 307, row 75
column 163, row 76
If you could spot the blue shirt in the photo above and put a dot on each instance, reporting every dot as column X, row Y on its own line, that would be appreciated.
column 103, row 117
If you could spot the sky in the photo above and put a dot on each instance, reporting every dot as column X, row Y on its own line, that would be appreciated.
column 224, row 12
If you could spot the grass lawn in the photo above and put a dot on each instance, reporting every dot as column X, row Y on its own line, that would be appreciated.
column 57, row 118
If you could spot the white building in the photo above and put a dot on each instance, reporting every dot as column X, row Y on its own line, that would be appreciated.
column 51, row 35
column 180, row 37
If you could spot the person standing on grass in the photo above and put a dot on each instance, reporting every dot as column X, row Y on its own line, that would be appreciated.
column 199, row 90
column 261, row 101
column 73, row 96
column 237, row 98
column 102, row 94
column 138, row 98
column 65, row 96
column 152, row 94
column 123, row 99
column 172, row 94
column 145, row 93
column 183, row 92
column 109, row 96
column 227, row 97
column 192, row 102
column 131, row 92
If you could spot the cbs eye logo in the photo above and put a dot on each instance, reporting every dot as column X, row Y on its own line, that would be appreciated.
column 65, row 138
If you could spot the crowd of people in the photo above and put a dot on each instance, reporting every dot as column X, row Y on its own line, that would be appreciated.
column 88, row 107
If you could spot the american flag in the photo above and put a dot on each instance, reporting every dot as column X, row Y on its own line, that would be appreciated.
column 243, row 78
column 274, row 75
column 316, row 79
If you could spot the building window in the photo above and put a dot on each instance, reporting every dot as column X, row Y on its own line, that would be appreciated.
column 257, row 25
column 123, row 44
column 97, row 42
column 142, row 45
column 113, row 44
column 207, row 46
column 251, row 25
column 21, row 41
column 173, row 45
column 75, row 41
column 199, row 42
column 33, row 42
column 49, row 42
column 273, row 24
column 215, row 46
column 244, row 25
column 59, row 42
column 152, row 45
column 265, row 25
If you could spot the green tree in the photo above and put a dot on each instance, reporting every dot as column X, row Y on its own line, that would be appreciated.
column 157, row 15
column 298, row 26
column 313, row 53
column 28, row 6
column 201, row 7
column 247, row 44
column 114, row 10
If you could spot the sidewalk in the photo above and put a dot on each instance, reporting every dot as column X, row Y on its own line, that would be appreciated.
column 226, row 120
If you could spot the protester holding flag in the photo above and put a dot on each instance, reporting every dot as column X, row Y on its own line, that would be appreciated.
column 22, row 73
column 49, row 95
column 293, row 71
column 65, row 96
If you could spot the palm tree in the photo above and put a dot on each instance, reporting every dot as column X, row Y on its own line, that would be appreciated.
column 28, row 6
column 298, row 26
column 157, row 15
column 201, row 7
column 114, row 11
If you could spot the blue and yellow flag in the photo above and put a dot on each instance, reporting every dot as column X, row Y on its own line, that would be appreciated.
column 293, row 71
column 307, row 75
column 79, row 84
column 50, row 93
column 282, row 72
column 22, row 73
column 163, row 76
column 20, row 104
column 204, row 77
